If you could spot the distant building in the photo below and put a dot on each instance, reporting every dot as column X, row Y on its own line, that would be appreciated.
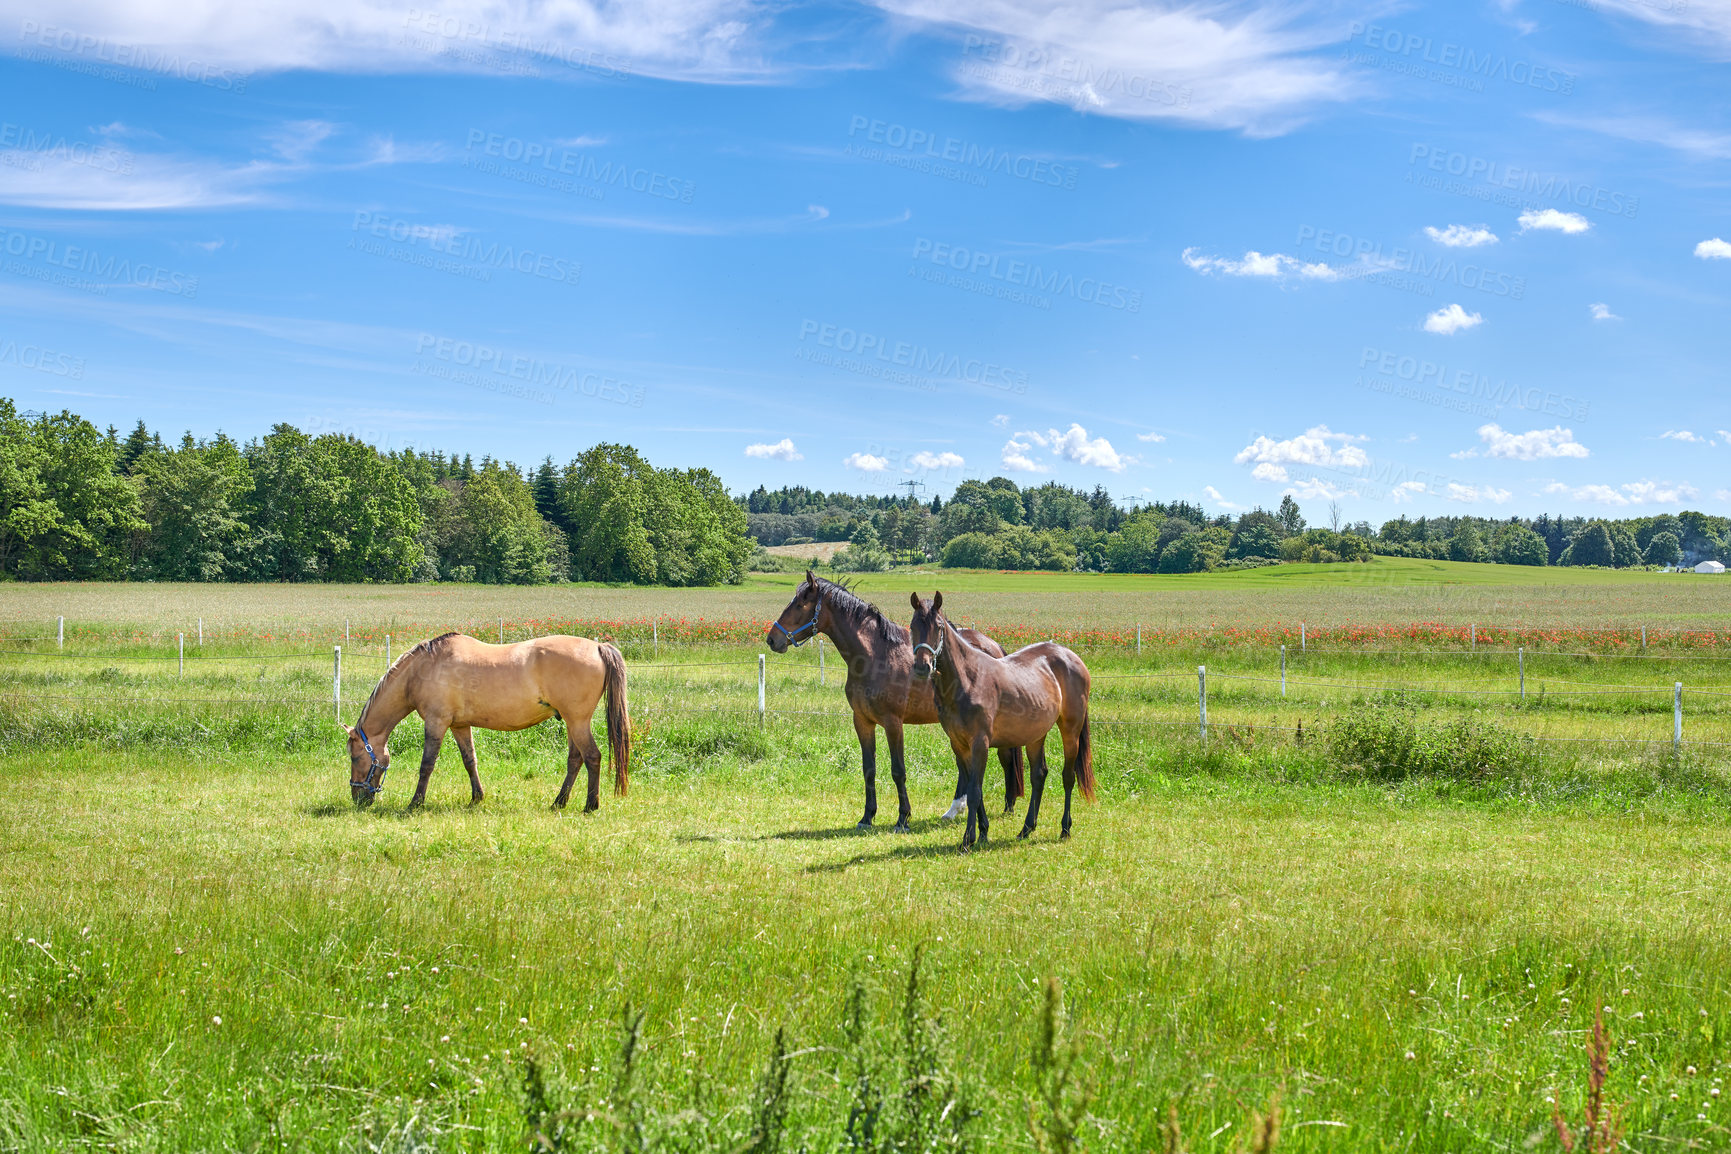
column 1709, row 567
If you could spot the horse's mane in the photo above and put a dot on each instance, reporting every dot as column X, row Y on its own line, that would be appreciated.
column 432, row 646
column 859, row 612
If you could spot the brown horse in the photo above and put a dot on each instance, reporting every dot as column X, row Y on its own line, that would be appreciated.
column 456, row 682
column 998, row 702
column 880, row 687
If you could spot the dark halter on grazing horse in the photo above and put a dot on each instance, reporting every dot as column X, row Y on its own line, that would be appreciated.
column 805, row 632
column 375, row 780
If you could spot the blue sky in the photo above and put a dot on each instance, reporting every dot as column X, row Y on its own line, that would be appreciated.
column 1412, row 258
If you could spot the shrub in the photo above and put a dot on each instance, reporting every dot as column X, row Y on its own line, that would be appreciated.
column 1393, row 743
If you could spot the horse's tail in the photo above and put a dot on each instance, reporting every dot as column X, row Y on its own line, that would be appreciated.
column 1085, row 760
column 618, row 716
column 1084, row 743
column 1013, row 759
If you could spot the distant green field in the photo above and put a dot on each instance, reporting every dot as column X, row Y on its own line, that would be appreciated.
column 1387, row 590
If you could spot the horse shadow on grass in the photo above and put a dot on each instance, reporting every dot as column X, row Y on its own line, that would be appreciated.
column 843, row 831
column 913, row 852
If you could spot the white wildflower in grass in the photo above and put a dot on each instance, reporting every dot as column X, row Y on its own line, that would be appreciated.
column 216, row 1019
column 522, row 1021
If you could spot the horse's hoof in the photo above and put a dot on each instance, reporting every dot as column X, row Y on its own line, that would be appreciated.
column 1024, row 834
column 901, row 827
column 957, row 809
column 864, row 823
column 1065, row 836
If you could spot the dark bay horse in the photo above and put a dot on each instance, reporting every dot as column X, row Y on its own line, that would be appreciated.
column 880, row 687
column 997, row 702
column 456, row 682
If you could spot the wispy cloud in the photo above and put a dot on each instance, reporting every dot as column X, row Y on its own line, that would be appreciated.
column 1632, row 493
column 865, row 462
column 1318, row 445
column 1213, row 494
column 1533, row 445
column 1602, row 312
column 1461, row 235
column 1473, row 494
column 781, row 450
column 1715, row 249
column 1273, row 266
column 1451, row 319
column 1553, row 220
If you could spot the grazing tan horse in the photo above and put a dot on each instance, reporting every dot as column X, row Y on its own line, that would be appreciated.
column 987, row 702
column 456, row 683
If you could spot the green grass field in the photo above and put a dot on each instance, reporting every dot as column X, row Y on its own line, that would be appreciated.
column 1399, row 926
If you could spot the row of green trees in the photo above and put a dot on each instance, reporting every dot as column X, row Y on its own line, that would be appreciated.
column 79, row 503
column 995, row 524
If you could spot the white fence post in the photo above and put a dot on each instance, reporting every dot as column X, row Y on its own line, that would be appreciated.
column 760, row 691
column 1283, row 671
column 1301, row 644
column 820, row 678
column 1643, row 638
column 1138, row 639
column 1473, row 633
column 61, row 636
column 1202, row 697
column 655, row 638
column 1521, row 655
column 337, row 680
column 201, row 632
column 501, row 631
column 1676, row 717
column 181, row 643
column 387, row 651
column 345, row 631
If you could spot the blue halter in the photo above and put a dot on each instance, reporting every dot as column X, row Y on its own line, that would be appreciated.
column 805, row 632
column 375, row 780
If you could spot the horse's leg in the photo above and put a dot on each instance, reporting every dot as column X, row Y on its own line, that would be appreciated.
column 1036, row 767
column 466, row 746
column 1072, row 748
column 429, row 758
column 977, row 754
column 1012, row 777
column 867, row 732
column 898, row 772
column 960, row 805
column 591, row 759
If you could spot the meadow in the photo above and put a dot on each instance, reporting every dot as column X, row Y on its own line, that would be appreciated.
column 1390, row 932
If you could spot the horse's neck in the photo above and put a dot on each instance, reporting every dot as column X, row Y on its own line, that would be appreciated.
column 850, row 641
column 954, row 664
column 388, row 705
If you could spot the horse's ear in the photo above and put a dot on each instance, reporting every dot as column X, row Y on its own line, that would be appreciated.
column 810, row 580
column 345, row 729
column 937, row 602
column 914, row 598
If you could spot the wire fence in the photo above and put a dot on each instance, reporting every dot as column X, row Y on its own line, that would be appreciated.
column 1294, row 690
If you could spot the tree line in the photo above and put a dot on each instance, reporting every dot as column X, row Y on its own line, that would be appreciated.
column 999, row 525
column 78, row 503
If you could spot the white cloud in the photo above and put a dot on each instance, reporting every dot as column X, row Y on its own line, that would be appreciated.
column 1602, row 312
column 865, row 462
column 683, row 39
column 1450, row 320
column 1316, row 489
column 1406, row 490
column 1683, row 435
column 1533, row 445
column 1213, row 494
column 1275, row 265
column 1472, row 494
column 1155, row 438
column 1001, row 421
column 1318, row 445
column 1632, row 493
column 1461, row 235
column 1231, row 63
column 1714, row 249
column 782, row 450
column 1553, row 220
column 1015, row 457
column 944, row 460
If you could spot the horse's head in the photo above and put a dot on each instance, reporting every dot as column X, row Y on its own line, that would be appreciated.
column 800, row 621
column 366, row 765
column 927, row 633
